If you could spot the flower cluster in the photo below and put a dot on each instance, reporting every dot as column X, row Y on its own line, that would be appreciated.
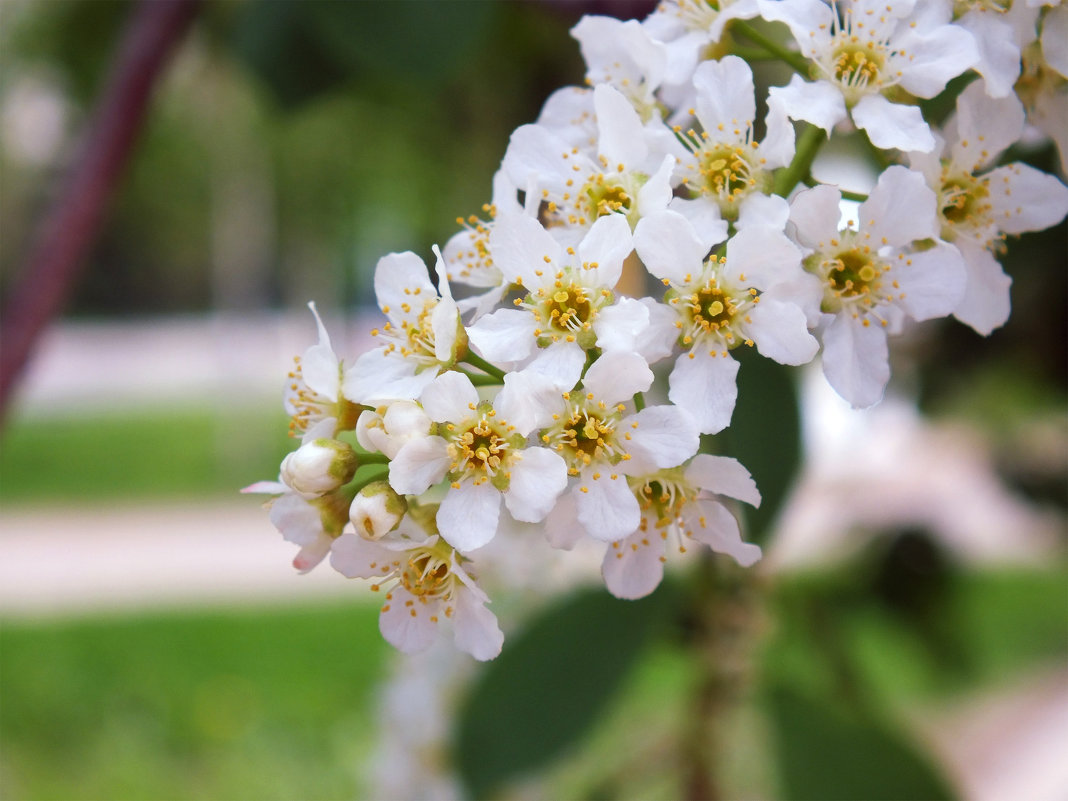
column 524, row 398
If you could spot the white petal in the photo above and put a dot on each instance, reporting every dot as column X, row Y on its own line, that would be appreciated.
column 1026, row 199
column 893, row 125
column 763, row 254
column 528, row 400
column 622, row 325
column 719, row 531
column 985, row 305
column 475, row 627
column 620, row 128
column 505, row 336
column 725, row 96
column 298, row 520
column 819, row 103
column 561, row 526
column 856, row 360
column 778, row 145
column 633, row 568
column 520, row 246
column 706, row 387
column 661, row 335
column 449, row 398
column 766, row 210
column 445, row 323
column 355, row 557
column 561, row 364
column 617, row 375
column 703, row 214
column 668, row 245
column 814, row 215
column 607, row 244
column 900, row 208
column 538, row 476
column 407, row 628
column 932, row 282
column 320, row 366
column 607, row 509
column 418, row 464
column 935, row 57
column 1055, row 38
column 663, row 436
column 780, row 331
column 467, row 518
column 999, row 55
column 808, row 20
column 723, row 476
column 313, row 553
column 368, row 375
column 985, row 126
column 655, row 195
column 535, row 154
column 396, row 273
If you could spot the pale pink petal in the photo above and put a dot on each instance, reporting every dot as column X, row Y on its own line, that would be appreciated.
column 538, row 476
column 355, row 557
column 723, row 476
column 418, row 464
column 1055, row 38
column 713, row 525
column 406, row 623
column 706, row 387
column 561, row 526
column 856, row 360
column 313, row 553
column 467, row 518
column 634, row 567
column 986, row 304
column 1026, row 199
column 475, row 627
column 893, row 125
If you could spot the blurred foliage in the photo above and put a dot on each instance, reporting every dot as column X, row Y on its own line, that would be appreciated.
column 151, row 454
column 266, row 704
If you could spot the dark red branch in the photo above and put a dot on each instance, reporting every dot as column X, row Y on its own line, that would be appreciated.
column 58, row 253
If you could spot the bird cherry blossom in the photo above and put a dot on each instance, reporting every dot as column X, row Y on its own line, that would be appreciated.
column 313, row 390
column 872, row 277
column 424, row 583
column 484, row 459
column 864, row 53
column 422, row 336
column 719, row 303
column 680, row 506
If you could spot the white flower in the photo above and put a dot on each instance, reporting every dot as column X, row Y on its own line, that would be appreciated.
column 313, row 390
column 422, row 336
column 376, row 510
column 424, row 584
column 622, row 55
column 867, row 51
column 601, row 446
column 720, row 303
column 319, row 466
column 570, row 306
column 484, row 459
column 628, row 174
column 872, row 278
column 1043, row 86
column 680, row 505
column 722, row 165
column 977, row 205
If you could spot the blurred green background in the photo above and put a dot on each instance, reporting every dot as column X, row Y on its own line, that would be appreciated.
column 289, row 146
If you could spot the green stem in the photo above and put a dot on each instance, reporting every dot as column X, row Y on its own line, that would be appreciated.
column 797, row 61
column 475, row 360
column 859, row 197
column 356, row 485
column 639, row 401
column 808, row 145
column 373, row 458
column 481, row 380
column 753, row 54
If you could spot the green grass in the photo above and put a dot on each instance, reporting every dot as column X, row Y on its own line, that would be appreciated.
column 266, row 704
column 144, row 455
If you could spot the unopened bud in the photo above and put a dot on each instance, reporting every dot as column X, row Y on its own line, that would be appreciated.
column 319, row 466
column 376, row 510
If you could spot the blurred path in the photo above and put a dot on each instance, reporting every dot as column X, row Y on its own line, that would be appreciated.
column 72, row 561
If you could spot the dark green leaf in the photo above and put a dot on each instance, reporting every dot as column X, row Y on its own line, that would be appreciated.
column 551, row 683
column 765, row 433
column 826, row 755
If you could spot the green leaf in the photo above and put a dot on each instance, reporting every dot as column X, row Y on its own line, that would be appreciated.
column 827, row 755
column 551, row 683
column 765, row 434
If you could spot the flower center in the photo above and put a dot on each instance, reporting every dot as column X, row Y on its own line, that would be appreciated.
column 964, row 203
column 586, row 434
column 602, row 195
column 857, row 66
column 480, row 449
column 852, row 277
column 726, row 173
column 426, row 573
column 663, row 496
column 709, row 312
column 565, row 309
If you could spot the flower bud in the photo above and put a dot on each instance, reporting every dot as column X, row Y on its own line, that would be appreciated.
column 319, row 466
column 376, row 510
column 386, row 429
